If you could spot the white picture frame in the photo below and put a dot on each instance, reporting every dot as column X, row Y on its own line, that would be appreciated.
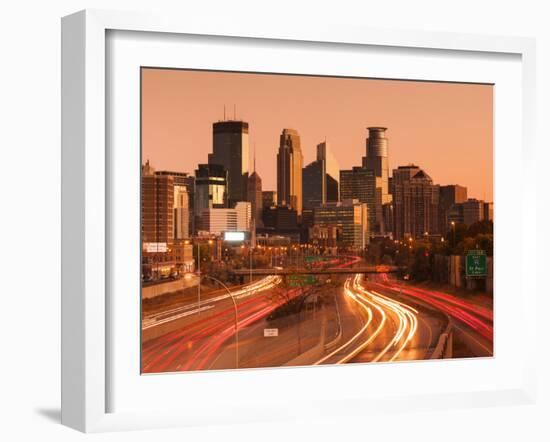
column 86, row 315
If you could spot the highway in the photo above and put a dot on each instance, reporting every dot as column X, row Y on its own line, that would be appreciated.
column 344, row 318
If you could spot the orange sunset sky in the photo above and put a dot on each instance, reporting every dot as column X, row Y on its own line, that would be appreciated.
column 445, row 128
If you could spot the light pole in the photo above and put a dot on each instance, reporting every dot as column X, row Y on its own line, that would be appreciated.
column 236, row 316
column 250, row 264
column 198, row 271
column 454, row 234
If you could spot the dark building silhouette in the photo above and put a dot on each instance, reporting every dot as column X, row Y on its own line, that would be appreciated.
column 314, row 184
column 332, row 189
column 280, row 218
column 269, row 198
column 230, row 149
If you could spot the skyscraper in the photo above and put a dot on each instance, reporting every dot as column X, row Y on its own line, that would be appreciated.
column 230, row 149
column 332, row 170
column 415, row 202
column 349, row 216
column 377, row 156
column 157, row 206
column 289, row 170
column 314, row 184
column 376, row 159
column 254, row 192
column 324, row 152
column 360, row 184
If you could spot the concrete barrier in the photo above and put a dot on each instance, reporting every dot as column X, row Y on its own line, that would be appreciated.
column 329, row 345
column 314, row 353
column 155, row 290
column 444, row 347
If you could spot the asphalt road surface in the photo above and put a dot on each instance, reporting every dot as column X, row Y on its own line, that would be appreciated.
column 344, row 319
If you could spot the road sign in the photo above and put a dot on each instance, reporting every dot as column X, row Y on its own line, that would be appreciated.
column 301, row 280
column 476, row 263
column 155, row 247
column 271, row 332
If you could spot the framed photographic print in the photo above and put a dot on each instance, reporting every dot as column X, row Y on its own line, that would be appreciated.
column 267, row 223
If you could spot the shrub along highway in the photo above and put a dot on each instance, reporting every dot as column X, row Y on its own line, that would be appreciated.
column 343, row 318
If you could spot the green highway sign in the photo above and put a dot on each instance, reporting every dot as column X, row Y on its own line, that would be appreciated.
column 301, row 280
column 476, row 263
column 313, row 258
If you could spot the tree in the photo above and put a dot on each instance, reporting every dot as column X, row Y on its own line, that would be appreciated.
column 480, row 227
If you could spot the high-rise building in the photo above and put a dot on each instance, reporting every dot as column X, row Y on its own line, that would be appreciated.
column 415, row 203
column 377, row 159
column 332, row 170
column 360, row 184
column 403, row 174
column 473, row 211
column 348, row 216
column 183, row 182
column 470, row 211
column 210, row 188
column 157, row 206
column 314, row 184
column 217, row 221
column 455, row 215
column 269, row 198
column 255, row 198
column 289, row 170
column 230, row 149
column 448, row 196
column 181, row 212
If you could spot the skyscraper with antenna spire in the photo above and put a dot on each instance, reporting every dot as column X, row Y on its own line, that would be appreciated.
column 230, row 149
column 254, row 190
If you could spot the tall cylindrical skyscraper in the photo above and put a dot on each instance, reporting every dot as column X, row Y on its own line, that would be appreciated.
column 376, row 159
column 377, row 154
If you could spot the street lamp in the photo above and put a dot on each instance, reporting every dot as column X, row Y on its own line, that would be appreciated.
column 236, row 316
column 454, row 234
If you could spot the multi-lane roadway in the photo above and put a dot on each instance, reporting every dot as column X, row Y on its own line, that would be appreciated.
column 343, row 319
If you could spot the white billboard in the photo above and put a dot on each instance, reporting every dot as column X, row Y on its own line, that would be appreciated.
column 233, row 236
column 155, row 247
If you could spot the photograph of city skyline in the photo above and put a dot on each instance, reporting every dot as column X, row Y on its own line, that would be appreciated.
column 301, row 220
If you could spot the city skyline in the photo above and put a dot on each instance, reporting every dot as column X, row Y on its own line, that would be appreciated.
column 468, row 115
column 369, row 249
